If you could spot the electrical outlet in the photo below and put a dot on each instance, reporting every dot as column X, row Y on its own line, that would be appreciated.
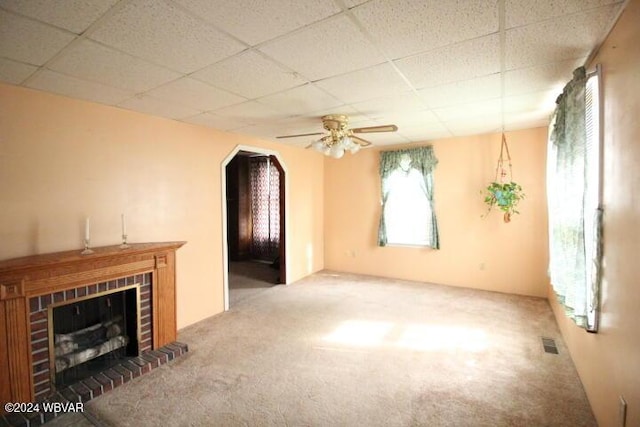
column 623, row 412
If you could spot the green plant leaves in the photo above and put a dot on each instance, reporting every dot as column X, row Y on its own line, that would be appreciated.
column 505, row 196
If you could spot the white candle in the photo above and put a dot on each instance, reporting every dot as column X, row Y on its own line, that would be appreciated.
column 124, row 226
column 87, row 230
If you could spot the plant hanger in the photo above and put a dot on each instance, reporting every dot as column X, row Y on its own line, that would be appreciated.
column 504, row 195
column 503, row 192
column 504, row 148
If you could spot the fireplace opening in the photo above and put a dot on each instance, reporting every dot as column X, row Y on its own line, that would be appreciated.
column 93, row 333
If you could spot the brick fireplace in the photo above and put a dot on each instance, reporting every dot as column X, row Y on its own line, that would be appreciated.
column 42, row 333
column 30, row 289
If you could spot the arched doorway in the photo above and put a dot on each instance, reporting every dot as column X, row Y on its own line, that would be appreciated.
column 236, row 234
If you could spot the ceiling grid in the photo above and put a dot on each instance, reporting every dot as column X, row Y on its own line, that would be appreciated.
column 274, row 67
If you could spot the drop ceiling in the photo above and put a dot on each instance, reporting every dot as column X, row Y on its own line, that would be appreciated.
column 435, row 68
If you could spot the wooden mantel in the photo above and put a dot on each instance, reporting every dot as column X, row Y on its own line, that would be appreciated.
column 32, row 276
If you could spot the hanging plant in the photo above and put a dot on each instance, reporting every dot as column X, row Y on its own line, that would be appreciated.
column 504, row 195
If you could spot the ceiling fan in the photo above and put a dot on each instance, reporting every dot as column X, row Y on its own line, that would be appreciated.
column 339, row 137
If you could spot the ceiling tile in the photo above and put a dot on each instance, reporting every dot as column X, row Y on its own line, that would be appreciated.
column 72, row 15
column 526, row 124
column 15, row 72
column 313, row 122
column 407, row 101
column 249, row 74
column 328, row 48
column 385, row 138
column 463, row 61
column 476, row 126
column 425, row 132
column 523, row 12
column 543, row 102
column 76, row 88
column 462, row 112
column 156, row 107
column 519, row 119
column 255, row 21
column 353, row 3
column 408, row 119
column 484, row 117
column 25, row 40
column 195, row 94
column 449, row 84
column 213, row 121
column 270, row 126
column 405, row 27
column 301, row 100
column 357, row 118
column 551, row 76
column 569, row 37
column 301, row 124
column 477, row 89
column 377, row 81
column 315, row 119
column 166, row 35
column 251, row 112
column 91, row 61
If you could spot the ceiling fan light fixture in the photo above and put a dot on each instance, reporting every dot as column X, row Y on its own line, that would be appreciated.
column 348, row 145
column 339, row 137
column 319, row 146
column 336, row 151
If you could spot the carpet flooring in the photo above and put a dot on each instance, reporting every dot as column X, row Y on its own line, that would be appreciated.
column 350, row 350
column 249, row 278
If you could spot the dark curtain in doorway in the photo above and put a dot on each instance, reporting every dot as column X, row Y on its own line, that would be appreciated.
column 265, row 208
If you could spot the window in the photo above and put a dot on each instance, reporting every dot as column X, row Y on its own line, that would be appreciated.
column 407, row 216
column 593, row 217
column 573, row 191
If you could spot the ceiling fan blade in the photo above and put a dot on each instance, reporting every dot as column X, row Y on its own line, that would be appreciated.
column 370, row 129
column 300, row 134
column 358, row 140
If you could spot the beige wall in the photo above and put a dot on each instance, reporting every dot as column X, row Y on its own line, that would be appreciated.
column 609, row 362
column 64, row 159
column 475, row 252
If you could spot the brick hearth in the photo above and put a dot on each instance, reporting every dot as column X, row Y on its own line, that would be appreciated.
column 92, row 387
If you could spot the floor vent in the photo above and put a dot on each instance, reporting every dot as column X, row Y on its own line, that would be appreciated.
column 549, row 345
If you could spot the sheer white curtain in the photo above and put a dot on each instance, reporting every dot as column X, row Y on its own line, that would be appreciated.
column 572, row 192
